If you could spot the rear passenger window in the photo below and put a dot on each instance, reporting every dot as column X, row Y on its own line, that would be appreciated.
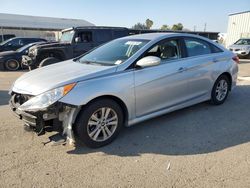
column 16, row 42
column 215, row 49
column 197, row 47
column 103, row 35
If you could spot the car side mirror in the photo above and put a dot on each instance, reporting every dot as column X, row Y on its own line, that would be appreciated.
column 149, row 61
column 77, row 40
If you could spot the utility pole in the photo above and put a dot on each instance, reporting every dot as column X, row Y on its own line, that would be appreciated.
column 194, row 27
column 205, row 27
column 2, row 34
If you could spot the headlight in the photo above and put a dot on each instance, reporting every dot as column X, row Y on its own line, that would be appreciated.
column 42, row 101
column 33, row 51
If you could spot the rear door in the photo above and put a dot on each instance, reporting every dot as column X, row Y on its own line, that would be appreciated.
column 102, row 36
column 200, row 66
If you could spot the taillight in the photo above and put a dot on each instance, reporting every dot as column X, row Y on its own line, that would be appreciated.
column 236, row 59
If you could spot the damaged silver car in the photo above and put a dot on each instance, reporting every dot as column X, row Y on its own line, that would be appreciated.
column 123, row 82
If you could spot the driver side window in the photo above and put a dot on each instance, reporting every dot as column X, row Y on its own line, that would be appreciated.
column 166, row 50
column 85, row 37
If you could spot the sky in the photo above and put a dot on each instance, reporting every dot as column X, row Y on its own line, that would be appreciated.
column 126, row 13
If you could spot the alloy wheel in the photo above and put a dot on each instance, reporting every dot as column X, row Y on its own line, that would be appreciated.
column 12, row 65
column 102, row 124
column 221, row 90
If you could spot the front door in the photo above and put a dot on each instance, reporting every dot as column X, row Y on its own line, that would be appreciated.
column 162, row 86
column 83, row 44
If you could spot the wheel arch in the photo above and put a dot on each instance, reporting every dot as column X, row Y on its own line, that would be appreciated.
column 52, row 53
column 229, row 76
column 116, row 99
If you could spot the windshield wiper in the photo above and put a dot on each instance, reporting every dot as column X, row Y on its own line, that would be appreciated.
column 95, row 63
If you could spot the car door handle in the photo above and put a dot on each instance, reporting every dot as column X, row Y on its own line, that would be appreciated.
column 181, row 69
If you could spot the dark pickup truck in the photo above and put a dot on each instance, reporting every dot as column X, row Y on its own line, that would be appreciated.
column 73, row 42
column 79, row 40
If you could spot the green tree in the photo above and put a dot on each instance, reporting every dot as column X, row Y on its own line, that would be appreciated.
column 177, row 27
column 149, row 23
column 165, row 27
column 139, row 26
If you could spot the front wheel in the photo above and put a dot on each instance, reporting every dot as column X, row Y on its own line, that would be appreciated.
column 99, row 123
column 12, row 65
column 220, row 90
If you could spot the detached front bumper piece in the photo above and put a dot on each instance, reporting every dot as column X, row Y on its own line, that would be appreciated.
column 34, row 120
column 59, row 116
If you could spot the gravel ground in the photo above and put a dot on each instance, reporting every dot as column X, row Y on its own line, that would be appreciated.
column 200, row 146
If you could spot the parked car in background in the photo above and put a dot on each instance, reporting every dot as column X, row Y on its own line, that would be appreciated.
column 6, row 37
column 74, row 42
column 18, row 42
column 241, row 48
column 12, row 60
column 123, row 82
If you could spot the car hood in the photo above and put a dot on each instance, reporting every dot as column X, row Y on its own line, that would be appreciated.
column 51, row 45
column 235, row 46
column 7, row 53
column 43, row 79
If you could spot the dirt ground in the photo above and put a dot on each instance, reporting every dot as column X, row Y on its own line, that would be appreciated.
column 200, row 146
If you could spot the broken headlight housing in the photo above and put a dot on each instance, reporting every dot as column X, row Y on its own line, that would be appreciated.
column 44, row 100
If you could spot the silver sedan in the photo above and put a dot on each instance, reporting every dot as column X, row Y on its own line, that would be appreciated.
column 124, row 82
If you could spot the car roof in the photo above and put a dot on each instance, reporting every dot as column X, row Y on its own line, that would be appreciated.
column 26, row 38
column 155, row 36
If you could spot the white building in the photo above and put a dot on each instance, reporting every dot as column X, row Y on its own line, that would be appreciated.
column 238, row 27
column 36, row 26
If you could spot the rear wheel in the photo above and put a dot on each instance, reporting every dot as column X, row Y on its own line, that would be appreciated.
column 48, row 61
column 12, row 65
column 99, row 123
column 220, row 90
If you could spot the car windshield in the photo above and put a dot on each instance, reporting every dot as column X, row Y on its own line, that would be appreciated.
column 243, row 42
column 67, row 36
column 6, row 41
column 114, row 52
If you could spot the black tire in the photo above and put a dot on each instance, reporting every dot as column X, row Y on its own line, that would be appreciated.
column 12, row 65
column 48, row 61
column 81, row 124
column 214, row 95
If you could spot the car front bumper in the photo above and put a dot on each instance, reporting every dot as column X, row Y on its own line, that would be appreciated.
column 28, row 62
column 57, row 117
column 241, row 53
column 37, row 120
column 2, row 65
